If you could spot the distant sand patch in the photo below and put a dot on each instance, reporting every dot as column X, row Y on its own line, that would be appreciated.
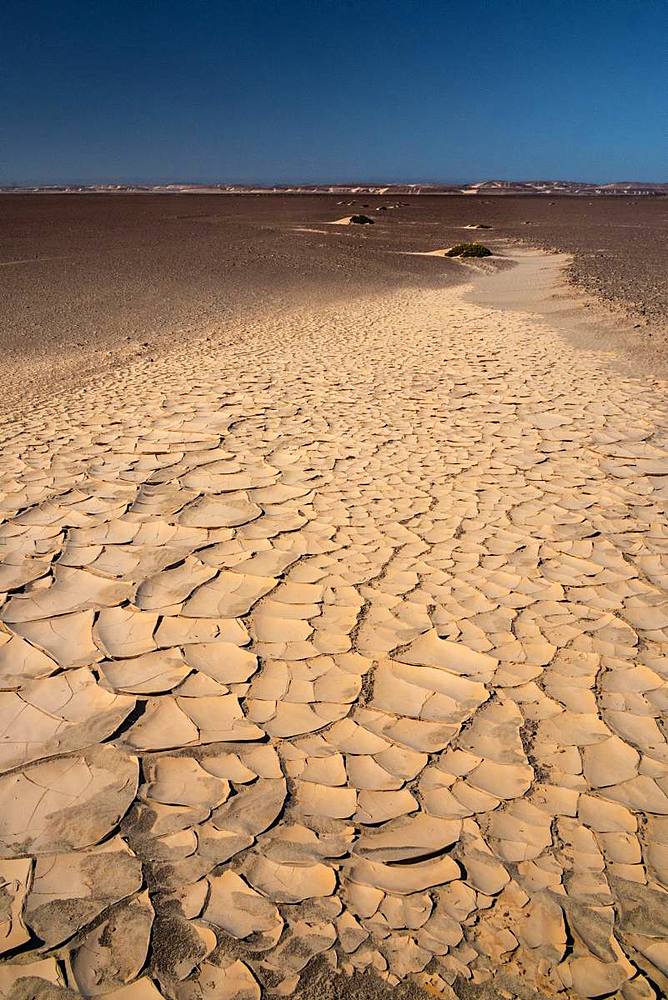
column 357, row 219
column 426, row 253
column 443, row 252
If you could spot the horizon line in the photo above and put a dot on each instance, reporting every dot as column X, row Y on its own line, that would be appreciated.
column 267, row 185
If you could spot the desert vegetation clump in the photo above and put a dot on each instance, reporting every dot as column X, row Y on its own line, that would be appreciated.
column 468, row 250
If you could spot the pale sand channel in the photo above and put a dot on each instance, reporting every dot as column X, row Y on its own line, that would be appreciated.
column 344, row 641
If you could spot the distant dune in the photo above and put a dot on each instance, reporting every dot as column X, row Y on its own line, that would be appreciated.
column 540, row 187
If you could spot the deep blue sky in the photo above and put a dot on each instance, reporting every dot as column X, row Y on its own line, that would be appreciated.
column 312, row 90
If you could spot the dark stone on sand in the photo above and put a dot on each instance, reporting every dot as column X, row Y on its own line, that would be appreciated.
column 361, row 220
column 469, row 250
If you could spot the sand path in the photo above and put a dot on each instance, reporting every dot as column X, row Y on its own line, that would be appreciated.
column 347, row 640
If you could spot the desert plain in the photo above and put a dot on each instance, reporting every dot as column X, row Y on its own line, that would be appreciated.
column 333, row 616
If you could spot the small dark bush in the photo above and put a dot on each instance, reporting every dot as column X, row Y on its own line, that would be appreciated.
column 469, row 250
column 361, row 220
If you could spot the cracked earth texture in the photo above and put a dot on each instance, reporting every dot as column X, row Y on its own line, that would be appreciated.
column 345, row 643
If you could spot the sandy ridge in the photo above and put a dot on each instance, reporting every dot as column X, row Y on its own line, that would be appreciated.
column 346, row 641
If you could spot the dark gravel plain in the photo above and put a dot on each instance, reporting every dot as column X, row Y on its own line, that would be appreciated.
column 91, row 278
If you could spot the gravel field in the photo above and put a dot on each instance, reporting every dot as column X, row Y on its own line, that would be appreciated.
column 91, row 281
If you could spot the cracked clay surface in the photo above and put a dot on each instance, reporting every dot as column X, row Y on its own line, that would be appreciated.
column 344, row 642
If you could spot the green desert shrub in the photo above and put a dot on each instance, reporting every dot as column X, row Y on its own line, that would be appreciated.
column 469, row 250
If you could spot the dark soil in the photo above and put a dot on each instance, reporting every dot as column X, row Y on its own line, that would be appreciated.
column 82, row 276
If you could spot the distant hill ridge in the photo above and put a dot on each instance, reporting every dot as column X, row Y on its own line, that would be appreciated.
column 544, row 187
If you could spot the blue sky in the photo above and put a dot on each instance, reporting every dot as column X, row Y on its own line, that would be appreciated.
column 264, row 91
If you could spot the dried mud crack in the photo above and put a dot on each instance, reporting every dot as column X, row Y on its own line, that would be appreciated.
column 333, row 662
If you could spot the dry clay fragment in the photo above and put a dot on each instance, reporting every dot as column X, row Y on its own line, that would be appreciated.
column 219, row 512
column 72, row 590
column 407, row 911
column 543, row 927
column 304, row 941
column 379, row 807
column 68, row 639
column 315, row 799
column 198, row 685
column 291, row 883
column 417, row 735
column 113, row 954
column 409, row 838
column 405, row 878
column 505, row 781
column 141, row 989
column 610, row 762
column 56, row 715
column 70, row 890
column 125, row 631
column 183, row 781
column 228, row 764
column 234, row 982
column 253, row 809
column 14, row 875
column 222, row 661
column 35, row 976
column 350, row 737
column 20, row 662
column 592, row 977
column 217, row 846
column 177, row 631
column 241, row 911
column 365, row 772
column 172, row 586
column 150, row 673
column 180, row 945
column 642, row 910
column 66, row 804
column 350, row 932
column 162, row 727
column 425, row 692
column 230, row 595
column 171, row 723
column 293, row 843
column 483, row 871
column 291, row 719
column 219, row 718
column 235, row 825
column 429, row 650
